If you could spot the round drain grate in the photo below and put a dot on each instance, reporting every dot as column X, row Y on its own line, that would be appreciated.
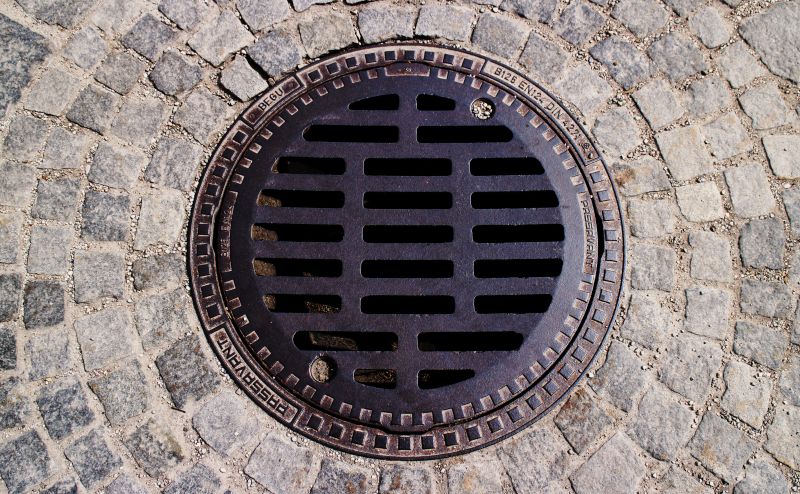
column 406, row 251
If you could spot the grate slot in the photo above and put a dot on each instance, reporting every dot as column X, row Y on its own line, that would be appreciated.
column 377, row 378
column 346, row 341
column 517, row 233
column 408, row 200
column 303, row 303
column 408, row 304
column 432, row 102
column 517, row 268
column 470, row 341
column 485, row 167
column 282, row 232
column 453, row 134
column 312, row 268
column 278, row 198
column 512, row 304
column 439, row 378
column 384, row 102
column 406, row 269
column 401, row 234
column 352, row 133
column 309, row 166
column 529, row 199
column 408, row 167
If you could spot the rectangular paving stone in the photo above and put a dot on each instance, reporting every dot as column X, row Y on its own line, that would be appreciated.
column 65, row 149
column 116, row 16
column 707, row 312
column 771, row 33
column 641, row 176
column 155, row 447
column 536, row 10
column 700, row 202
column 762, row 476
column 332, row 32
column 66, row 13
column 16, row 184
column 125, row 484
column 56, row 199
column 642, row 17
column 199, row 479
column 43, row 304
column 94, row 108
column 782, row 151
column 749, row 188
column 66, row 486
column 653, row 268
column 710, row 25
column 24, row 461
column 86, row 48
column 483, row 474
column 55, row 89
column 92, row 459
column 161, row 318
column 628, row 471
column 685, row 153
column 116, row 166
column 158, row 271
column 579, row 22
column 120, row 71
column 693, row 363
column 721, row 447
column 766, row 107
column 8, row 349
column 48, row 354
column 621, row 379
column 201, row 114
column 185, row 13
column 651, row 219
column 282, row 466
column 746, row 394
column 104, row 336
column 623, row 60
column 789, row 382
column 63, row 407
column 727, row 137
column 707, row 95
column 534, row 469
column 617, row 132
column 14, row 406
column 148, row 37
column 219, row 37
column 224, row 424
column 23, row 51
column 49, row 250
column 140, row 120
column 545, row 59
column 186, row 371
column 160, row 219
column 261, row 14
column 766, row 298
column 10, row 291
column 582, row 420
column 123, row 392
column 762, row 243
column 678, row 56
column 589, row 92
column 336, row 476
column 174, row 163
column 501, row 35
column 242, row 80
column 663, row 425
column 738, row 65
column 782, row 436
column 25, row 138
column 175, row 73
column 762, row 344
column 376, row 23
column 444, row 21
column 658, row 103
column 276, row 52
column 10, row 233
column 105, row 216
column 648, row 319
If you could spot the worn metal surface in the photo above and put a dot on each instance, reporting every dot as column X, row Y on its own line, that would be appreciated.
column 406, row 251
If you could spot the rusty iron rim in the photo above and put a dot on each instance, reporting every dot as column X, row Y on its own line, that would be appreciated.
column 295, row 330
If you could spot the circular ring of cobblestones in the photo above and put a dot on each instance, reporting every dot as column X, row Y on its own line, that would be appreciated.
column 111, row 107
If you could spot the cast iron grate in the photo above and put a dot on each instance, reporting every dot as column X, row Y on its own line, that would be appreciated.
column 406, row 251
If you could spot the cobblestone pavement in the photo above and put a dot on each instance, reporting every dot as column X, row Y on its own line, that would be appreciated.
column 110, row 108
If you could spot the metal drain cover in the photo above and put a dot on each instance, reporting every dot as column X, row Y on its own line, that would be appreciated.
column 406, row 251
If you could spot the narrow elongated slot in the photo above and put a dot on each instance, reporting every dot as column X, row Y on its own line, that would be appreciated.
column 277, row 198
column 377, row 378
column 346, row 341
column 408, row 200
column 384, row 102
column 470, row 341
column 404, row 234
column 526, row 199
column 303, row 303
column 376, row 268
column 441, row 134
column 483, row 167
column 517, row 268
column 408, row 304
column 279, row 232
column 351, row 133
column 439, row 378
column 408, row 167
column 310, row 268
column 498, row 234
column 298, row 165
column 512, row 304
column 431, row 102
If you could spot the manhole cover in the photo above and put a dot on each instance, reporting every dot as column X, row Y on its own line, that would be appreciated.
column 406, row 251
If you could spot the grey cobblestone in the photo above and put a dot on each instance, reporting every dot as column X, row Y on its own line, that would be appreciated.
column 186, row 372
column 43, row 304
column 711, row 257
column 105, row 216
column 25, row 138
column 789, row 382
column 281, row 466
column 261, row 14
column 694, row 362
column 63, row 407
column 653, row 267
column 782, row 436
column 335, row 477
column 620, row 380
column 533, row 469
column 684, row 152
column 185, row 13
column 86, row 48
column 749, row 190
column 708, row 95
column 678, row 56
column 649, row 219
column 543, row 58
column 676, row 481
column 53, row 91
column 500, row 35
column 746, row 394
column 116, row 166
column 727, row 137
column 761, row 476
column 626, row 64
column 8, row 349
column 161, row 318
column 242, row 80
column 589, row 91
column 224, row 424
column 782, row 151
column 485, row 475
column 116, row 16
column 48, row 354
column 721, row 447
column 10, row 233
column 647, row 321
column 444, row 21
column 771, row 33
column 174, row 162
column 594, row 476
column 403, row 479
column 92, row 458
column 24, row 462
column 642, row 176
column 334, row 32
column 581, row 420
column 14, row 407
column 198, row 479
column 617, row 131
column 23, row 51
column 56, row 199
column 301, row 5
column 276, row 52
column 163, row 270
column 579, row 22
column 710, row 26
column 219, row 37
column 125, row 484
column 376, row 23
column 738, row 65
column 707, row 312
column 67, row 15
column 536, row 10
column 160, row 219
column 66, row 486
column 49, row 250
column 120, row 71
column 123, row 392
column 139, row 120
column 104, row 337
column 764, row 345
column 762, row 243
column 148, row 37
column 65, row 149
column 663, row 424
column 10, row 291
column 155, row 447
column 94, row 108
column 766, row 298
column 642, row 17
column 201, row 114
column 174, row 73
column 658, row 103
column 16, row 182
column 766, row 107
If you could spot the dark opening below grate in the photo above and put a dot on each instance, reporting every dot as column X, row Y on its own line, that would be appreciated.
column 406, row 259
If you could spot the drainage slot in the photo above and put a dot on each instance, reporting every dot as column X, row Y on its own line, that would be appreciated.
column 512, row 304
column 463, row 133
column 303, row 303
column 408, row 167
column 431, row 102
column 408, row 200
column 408, row 304
column 483, row 167
column 277, row 198
column 377, row 378
column 309, row 166
column 406, row 269
column 345, row 341
column 407, row 234
column 470, row 341
column 278, row 232
column 352, row 133
column 436, row 378
column 517, row 268
column 321, row 268
column 498, row 234
column 515, row 199
column 385, row 102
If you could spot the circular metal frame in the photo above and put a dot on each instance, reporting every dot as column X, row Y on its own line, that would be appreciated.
column 501, row 413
